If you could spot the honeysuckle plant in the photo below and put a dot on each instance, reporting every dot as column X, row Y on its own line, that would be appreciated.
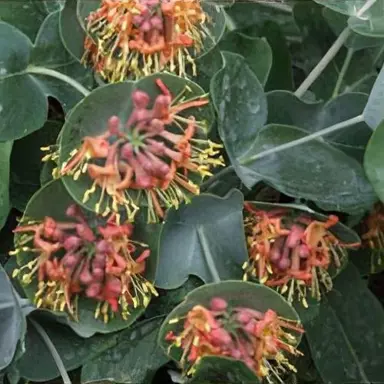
column 191, row 191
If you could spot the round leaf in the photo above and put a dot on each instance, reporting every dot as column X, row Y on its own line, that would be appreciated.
column 374, row 110
column 11, row 319
column 371, row 23
column 205, row 239
column 52, row 200
column 347, row 7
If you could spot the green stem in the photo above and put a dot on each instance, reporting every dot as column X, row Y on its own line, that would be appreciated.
column 332, row 52
column 343, row 71
column 60, row 76
column 278, row 6
column 306, row 139
column 56, row 357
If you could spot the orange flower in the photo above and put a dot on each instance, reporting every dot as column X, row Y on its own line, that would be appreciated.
column 292, row 254
column 74, row 259
column 258, row 339
column 145, row 156
column 140, row 37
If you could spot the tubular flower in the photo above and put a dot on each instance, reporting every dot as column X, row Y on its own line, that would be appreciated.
column 73, row 259
column 292, row 254
column 260, row 340
column 141, row 37
column 374, row 236
column 145, row 156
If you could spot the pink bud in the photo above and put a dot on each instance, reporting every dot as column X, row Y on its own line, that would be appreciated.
column 294, row 236
column 236, row 354
column 85, row 275
column 157, row 22
column 145, row 26
column 137, row 20
column 113, row 125
column 70, row 260
column 72, row 243
column 98, row 274
column 103, row 246
column 218, row 304
column 276, row 251
column 99, row 261
column 284, row 264
column 126, row 151
column 220, row 336
column 113, row 287
column 243, row 317
column 303, row 251
column 93, row 290
column 250, row 327
column 72, row 210
column 140, row 99
column 156, row 147
column 85, row 232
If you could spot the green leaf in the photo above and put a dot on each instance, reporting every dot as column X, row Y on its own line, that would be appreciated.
column 245, row 15
column 5, row 153
column 239, row 100
column 25, row 15
column 315, row 170
column 91, row 115
column 204, row 238
column 346, row 7
column 73, row 350
column 338, row 22
column 256, row 51
column 12, row 321
column 346, row 339
column 134, row 359
column 26, row 163
column 236, row 293
column 24, row 77
column 52, row 200
column 169, row 298
column 221, row 370
column 374, row 161
column 374, row 110
column 371, row 23
column 286, row 108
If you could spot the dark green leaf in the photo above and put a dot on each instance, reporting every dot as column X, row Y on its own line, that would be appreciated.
column 374, row 161
column 73, row 350
column 374, row 110
column 12, row 321
column 286, row 108
column 346, row 7
column 5, row 153
column 25, row 15
column 371, row 23
column 309, row 170
column 91, row 115
column 204, row 238
column 338, row 22
column 239, row 100
column 134, row 359
column 52, row 200
column 26, row 163
column 29, row 73
column 256, row 51
column 221, row 370
column 346, row 339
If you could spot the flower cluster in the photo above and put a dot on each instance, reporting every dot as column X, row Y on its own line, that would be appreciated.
column 292, row 254
column 145, row 156
column 140, row 37
column 76, row 260
column 258, row 339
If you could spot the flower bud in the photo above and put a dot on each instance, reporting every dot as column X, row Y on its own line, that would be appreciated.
column 103, row 246
column 140, row 99
column 243, row 317
column 303, row 251
column 85, row 275
column 112, row 287
column 113, row 125
column 126, row 151
column 218, row 304
column 275, row 254
column 99, row 261
column 93, row 290
column 220, row 336
column 98, row 274
column 85, row 232
column 70, row 260
column 294, row 236
column 284, row 264
column 72, row 243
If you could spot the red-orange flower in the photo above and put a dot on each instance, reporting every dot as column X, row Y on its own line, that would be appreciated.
column 140, row 37
column 146, row 156
column 292, row 254
column 74, row 259
column 258, row 339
